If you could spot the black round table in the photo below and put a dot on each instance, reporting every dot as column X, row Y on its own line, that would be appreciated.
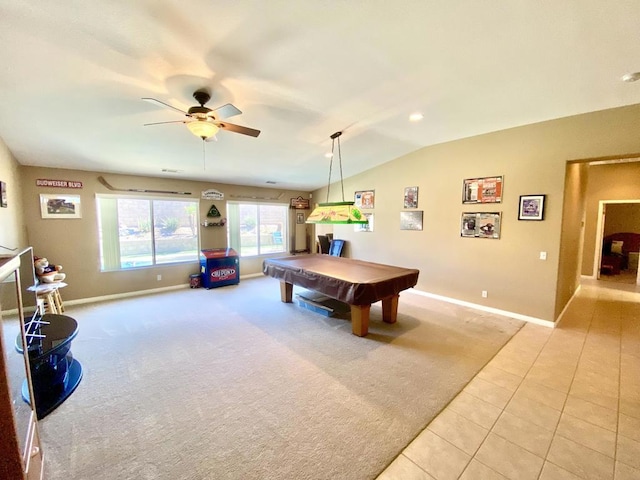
column 55, row 374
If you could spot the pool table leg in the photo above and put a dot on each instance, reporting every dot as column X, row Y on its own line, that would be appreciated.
column 390, row 309
column 286, row 292
column 360, row 319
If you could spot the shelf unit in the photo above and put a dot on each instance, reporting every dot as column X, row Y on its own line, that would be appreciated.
column 21, row 457
column 208, row 223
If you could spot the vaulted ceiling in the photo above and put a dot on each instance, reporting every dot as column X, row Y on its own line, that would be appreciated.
column 72, row 76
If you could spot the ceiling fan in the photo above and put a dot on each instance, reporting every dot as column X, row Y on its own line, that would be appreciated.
column 204, row 122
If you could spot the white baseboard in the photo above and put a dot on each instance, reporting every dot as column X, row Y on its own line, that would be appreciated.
column 142, row 292
column 497, row 311
column 117, row 296
column 252, row 275
column 518, row 316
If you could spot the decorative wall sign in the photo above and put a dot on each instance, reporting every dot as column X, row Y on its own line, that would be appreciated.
column 481, row 224
column 365, row 227
column 365, row 199
column 212, row 194
column 411, row 220
column 531, row 207
column 300, row 203
column 60, row 206
column 213, row 212
column 45, row 182
column 411, row 197
column 3, row 195
column 482, row 190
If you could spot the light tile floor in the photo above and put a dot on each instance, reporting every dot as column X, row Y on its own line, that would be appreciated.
column 553, row 404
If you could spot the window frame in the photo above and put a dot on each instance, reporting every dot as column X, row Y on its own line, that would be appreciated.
column 231, row 221
column 150, row 199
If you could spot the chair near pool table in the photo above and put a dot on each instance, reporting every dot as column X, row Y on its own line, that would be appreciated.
column 336, row 247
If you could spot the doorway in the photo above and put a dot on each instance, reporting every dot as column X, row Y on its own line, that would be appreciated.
column 618, row 241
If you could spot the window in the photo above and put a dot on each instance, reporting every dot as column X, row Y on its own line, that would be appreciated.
column 257, row 229
column 140, row 232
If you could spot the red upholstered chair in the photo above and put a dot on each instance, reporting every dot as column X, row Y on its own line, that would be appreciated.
column 611, row 264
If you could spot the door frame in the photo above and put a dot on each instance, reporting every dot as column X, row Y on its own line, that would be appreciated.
column 600, row 234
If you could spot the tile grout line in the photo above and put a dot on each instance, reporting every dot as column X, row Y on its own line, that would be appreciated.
column 615, row 449
column 555, row 432
column 473, row 457
column 489, row 430
column 426, row 427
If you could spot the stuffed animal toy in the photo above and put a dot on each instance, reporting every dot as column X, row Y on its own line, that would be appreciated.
column 46, row 272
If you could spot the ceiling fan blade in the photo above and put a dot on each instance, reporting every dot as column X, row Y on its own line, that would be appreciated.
column 160, row 123
column 162, row 104
column 239, row 129
column 225, row 111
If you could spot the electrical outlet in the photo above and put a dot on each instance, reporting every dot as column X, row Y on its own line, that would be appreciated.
column 159, row 277
column 484, row 294
column 543, row 255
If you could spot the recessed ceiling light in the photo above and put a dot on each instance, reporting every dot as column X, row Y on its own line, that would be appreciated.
column 416, row 117
column 328, row 154
column 630, row 77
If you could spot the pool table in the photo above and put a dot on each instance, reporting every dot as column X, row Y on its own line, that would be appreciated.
column 355, row 282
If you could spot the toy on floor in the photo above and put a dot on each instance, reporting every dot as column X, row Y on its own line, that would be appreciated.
column 46, row 272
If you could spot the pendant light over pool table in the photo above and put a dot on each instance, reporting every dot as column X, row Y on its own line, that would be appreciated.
column 336, row 212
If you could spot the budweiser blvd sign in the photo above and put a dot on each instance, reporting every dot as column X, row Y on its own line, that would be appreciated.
column 47, row 182
column 223, row 273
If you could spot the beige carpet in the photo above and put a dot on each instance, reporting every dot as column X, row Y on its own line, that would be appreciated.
column 230, row 383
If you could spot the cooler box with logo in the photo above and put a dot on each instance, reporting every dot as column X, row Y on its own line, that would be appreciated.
column 219, row 267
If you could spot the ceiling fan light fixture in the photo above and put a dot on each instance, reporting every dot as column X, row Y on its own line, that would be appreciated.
column 202, row 128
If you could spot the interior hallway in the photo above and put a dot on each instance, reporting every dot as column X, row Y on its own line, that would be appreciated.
column 557, row 404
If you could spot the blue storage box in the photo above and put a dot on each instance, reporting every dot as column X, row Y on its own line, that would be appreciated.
column 219, row 267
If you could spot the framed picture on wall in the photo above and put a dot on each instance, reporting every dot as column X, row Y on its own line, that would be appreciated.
column 365, row 199
column 482, row 190
column 299, row 218
column 481, row 224
column 3, row 195
column 531, row 207
column 60, row 206
column 411, row 197
column 411, row 220
column 365, row 227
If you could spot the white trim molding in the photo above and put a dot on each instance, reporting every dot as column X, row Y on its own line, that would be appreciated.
column 497, row 311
